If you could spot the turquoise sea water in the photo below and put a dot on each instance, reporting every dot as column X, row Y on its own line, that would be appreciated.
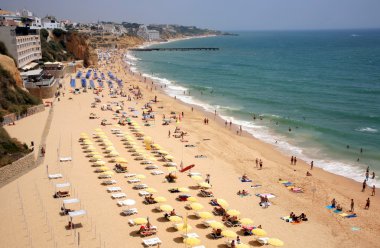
column 324, row 85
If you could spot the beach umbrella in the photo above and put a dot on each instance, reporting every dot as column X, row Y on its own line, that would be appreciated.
column 192, row 199
column 191, row 241
column 197, row 178
column 275, row 242
column 172, row 169
column 121, row 160
column 98, row 129
column 140, row 221
column 110, row 148
column 196, row 206
column 100, row 163
column 108, row 173
column 104, row 168
column 233, row 212
column 259, row 232
column 163, row 152
column 183, row 227
column 229, row 234
column 160, row 199
column 140, row 176
column 116, row 125
column 241, row 245
column 88, row 142
column 83, row 134
column 204, row 185
column 166, row 208
column 175, row 218
column 97, row 156
column 114, row 153
column 223, row 203
column 94, row 153
column 169, row 157
column 151, row 190
column 205, row 215
column 246, row 221
column 90, row 148
column 217, row 225
column 183, row 189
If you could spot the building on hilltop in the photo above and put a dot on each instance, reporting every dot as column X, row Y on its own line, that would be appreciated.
column 147, row 34
column 50, row 22
column 22, row 43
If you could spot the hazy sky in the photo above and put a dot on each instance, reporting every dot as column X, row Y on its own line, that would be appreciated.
column 216, row 14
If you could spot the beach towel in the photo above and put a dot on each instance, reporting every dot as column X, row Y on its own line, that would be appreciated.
column 245, row 180
column 286, row 218
column 354, row 228
column 351, row 216
column 268, row 195
column 256, row 186
column 344, row 214
column 329, row 207
column 337, row 211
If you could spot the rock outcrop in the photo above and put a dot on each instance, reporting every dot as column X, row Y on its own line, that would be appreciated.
column 9, row 65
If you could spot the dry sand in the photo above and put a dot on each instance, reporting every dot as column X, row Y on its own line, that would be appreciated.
column 30, row 215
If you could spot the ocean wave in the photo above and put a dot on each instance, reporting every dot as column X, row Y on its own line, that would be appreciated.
column 264, row 133
column 367, row 130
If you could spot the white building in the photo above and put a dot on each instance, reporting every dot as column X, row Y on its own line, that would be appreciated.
column 50, row 23
column 147, row 34
column 22, row 43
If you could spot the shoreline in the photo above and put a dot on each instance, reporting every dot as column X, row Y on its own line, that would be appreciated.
column 340, row 167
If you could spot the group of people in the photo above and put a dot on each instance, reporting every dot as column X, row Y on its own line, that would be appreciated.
column 295, row 218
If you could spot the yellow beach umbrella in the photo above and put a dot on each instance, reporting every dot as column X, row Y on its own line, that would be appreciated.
column 217, row 225
column 196, row 206
column 192, row 199
column 114, row 153
column 110, row 173
column 175, row 218
column 172, row 169
column 184, row 227
column 259, row 232
column 151, row 190
column 191, row 241
column 183, row 189
column 88, row 142
column 100, row 162
column 140, row 176
column 110, row 148
column 94, row 153
column 121, row 160
column 197, row 178
column 205, row 215
column 83, row 134
column 140, row 221
column 98, row 129
column 104, row 168
column 97, row 156
column 229, row 234
column 241, row 245
column 160, row 199
column 204, row 185
column 275, row 242
column 246, row 221
column 166, row 208
column 169, row 157
column 233, row 212
column 90, row 148
column 163, row 152
column 223, row 203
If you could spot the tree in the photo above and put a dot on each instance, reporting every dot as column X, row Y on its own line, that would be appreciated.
column 44, row 34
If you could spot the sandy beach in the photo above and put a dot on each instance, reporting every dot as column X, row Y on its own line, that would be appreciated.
column 31, row 215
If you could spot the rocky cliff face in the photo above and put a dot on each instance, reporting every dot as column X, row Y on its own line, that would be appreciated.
column 8, row 64
column 78, row 44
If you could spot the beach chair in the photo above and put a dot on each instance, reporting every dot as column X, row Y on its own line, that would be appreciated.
column 143, row 193
column 157, row 172
column 205, row 193
column 262, row 241
column 207, row 223
column 151, row 241
column 129, row 175
column 140, row 186
column 109, row 182
column 118, row 195
column 113, row 189
column 130, row 211
column 65, row 159
column 146, row 162
column 190, row 235
column 104, row 176
column 135, row 180
column 151, row 167
column 191, row 174
column 55, row 176
column 148, row 233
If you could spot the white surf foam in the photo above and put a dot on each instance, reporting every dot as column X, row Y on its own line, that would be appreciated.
column 367, row 129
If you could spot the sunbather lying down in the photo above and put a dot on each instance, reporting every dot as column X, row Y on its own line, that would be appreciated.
column 200, row 156
column 245, row 178
column 242, row 193
column 61, row 194
column 189, row 145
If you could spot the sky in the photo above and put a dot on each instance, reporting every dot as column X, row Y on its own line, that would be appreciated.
column 214, row 14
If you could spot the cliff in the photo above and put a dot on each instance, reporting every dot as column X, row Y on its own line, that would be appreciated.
column 79, row 45
column 9, row 65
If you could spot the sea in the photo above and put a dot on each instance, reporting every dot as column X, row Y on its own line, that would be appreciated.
column 312, row 94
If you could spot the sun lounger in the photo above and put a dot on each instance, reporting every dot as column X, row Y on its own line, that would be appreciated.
column 130, row 211
column 140, row 186
column 65, row 159
column 207, row 223
column 256, row 186
column 113, row 189
column 206, row 193
column 171, row 164
column 232, row 224
column 143, row 193
column 55, row 176
column 151, row 167
column 109, row 182
column 135, row 180
column 118, row 195
column 146, row 162
column 103, row 176
column 129, row 175
column 152, row 241
column 157, row 172
column 263, row 241
column 190, row 235
column 214, row 236
column 191, row 174
column 148, row 233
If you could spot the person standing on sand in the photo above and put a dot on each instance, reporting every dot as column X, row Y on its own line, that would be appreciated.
column 261, row 164
column 230, row 124
column 225, row 124
column 257, row 163
column 207, row 178
column 364, row 185
column 352, row 205
column 373, row 190
column 373, row 175
column 367, row 203
column 169, row 134
column 295, row 160
column 291, row 160
column 311, row 165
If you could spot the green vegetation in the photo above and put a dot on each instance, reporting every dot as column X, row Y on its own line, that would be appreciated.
column 12, row 100
column 54, row 49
